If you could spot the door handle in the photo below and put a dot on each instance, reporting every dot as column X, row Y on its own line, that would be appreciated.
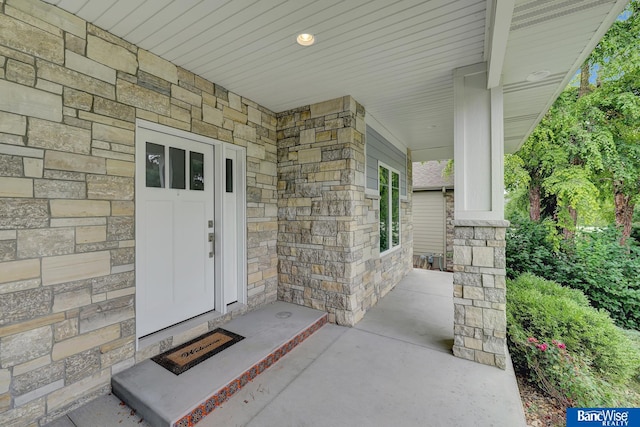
column 212, row 241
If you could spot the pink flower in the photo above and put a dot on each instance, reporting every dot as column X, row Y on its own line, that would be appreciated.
column 532, row 339
column 561, row 345
column 543, row 347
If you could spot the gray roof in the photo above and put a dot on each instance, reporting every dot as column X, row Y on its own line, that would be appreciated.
column 428, row 175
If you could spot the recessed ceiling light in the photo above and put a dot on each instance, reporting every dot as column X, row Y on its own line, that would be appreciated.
column 536, row 76
column 305, row 39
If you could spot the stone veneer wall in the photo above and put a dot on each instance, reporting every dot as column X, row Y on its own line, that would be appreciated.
column 450, row 232
column 328, row 240
column 70, row 95
column 479, row 291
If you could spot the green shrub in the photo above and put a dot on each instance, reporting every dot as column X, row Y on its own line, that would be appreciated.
column 563, row 376
column 608, row 274
column 531, row 248
column 547, row 311
column 593, row 262
column 635, row 232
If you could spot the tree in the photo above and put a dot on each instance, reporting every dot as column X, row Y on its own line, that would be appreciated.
column 584, row 156
column 553, row 168
column 611, row 112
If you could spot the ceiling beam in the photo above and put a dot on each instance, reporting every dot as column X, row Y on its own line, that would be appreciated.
column 500, row 16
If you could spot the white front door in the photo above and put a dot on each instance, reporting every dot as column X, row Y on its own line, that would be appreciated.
column 174, row 229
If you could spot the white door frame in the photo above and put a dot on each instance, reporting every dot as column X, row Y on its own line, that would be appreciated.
column 222, row 235
column 239, row 235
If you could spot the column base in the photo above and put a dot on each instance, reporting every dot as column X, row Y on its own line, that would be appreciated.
column 479, row 291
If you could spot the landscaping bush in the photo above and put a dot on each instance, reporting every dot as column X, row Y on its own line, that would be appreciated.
column 531, row 248
column 593, row 262
column 608, row 274
column 565, row 377
column 600, row 355
column 635, row 232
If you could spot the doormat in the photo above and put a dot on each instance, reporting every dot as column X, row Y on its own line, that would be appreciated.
column 189, row 354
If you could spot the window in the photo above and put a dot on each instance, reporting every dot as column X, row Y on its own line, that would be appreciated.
column 196, row 171
column 389, row 187
column 155, row 165
column 176, row 168
column 155, row 168
column 229, row 175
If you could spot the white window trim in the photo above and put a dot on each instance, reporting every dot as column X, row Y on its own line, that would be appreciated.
column 399, row 245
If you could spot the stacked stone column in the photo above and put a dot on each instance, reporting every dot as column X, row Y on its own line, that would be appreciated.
column 320, row 207
column 479, row 291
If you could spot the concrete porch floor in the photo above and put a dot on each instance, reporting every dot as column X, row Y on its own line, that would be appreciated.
column 395, row 367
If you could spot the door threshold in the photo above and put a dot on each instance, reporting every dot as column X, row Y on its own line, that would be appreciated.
column 177, row 329
column 237, row 309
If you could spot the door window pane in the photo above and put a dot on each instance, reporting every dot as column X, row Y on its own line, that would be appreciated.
column 155, row 165
column 176, row 168
column 196, row 171
column 229, row 175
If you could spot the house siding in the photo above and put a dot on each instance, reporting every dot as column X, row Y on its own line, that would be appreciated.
column 71, row 94
column 429, row 222
column 433, row 223
column 381, row 150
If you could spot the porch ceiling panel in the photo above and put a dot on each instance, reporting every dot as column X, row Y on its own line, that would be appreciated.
column 395, row 57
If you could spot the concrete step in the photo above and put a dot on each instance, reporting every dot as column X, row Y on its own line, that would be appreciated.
column 164, row 399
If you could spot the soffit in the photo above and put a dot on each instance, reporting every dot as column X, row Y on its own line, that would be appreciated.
column 394, row 57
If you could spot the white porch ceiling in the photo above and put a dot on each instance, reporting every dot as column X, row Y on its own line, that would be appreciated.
column 394, row 57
